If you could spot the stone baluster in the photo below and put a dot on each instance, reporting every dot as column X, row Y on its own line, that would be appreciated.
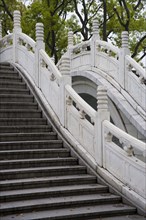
column 39, row 45
column 101, row 115
column 0, row 30
column 16, row 30
column 122, row 65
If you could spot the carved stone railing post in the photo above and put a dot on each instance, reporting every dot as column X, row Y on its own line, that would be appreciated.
column 39, row 45
column 16, row 30
column 70, row 46
column 0, row 30
column 65, row 79
column 65, row 65
column 93, row 42
column 70, row 39
column 102, row 114
column 123, row 52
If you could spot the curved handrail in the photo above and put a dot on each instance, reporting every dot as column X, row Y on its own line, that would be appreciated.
column 80, row 102
column 6, row 40
column 24, row 39
column 81, row 47
column 133, row 64
column 108, row 47
column 49, row 64
column 124, row 138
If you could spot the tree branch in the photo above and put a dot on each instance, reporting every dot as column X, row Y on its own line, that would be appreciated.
column 7, row 10
column 138, row 45
column 137, row 5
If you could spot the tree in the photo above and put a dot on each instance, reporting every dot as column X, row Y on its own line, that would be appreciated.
column 85, row 11
column 52, row 13
column 58, row 16
column 6, row 13
column 132, row 18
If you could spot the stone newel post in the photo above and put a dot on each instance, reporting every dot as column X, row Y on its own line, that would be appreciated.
column 102, row 114
column 122, row 67
column 39, row 45
column 93, row 42
column 0, row 30
column 16, row 30
column 65, row 79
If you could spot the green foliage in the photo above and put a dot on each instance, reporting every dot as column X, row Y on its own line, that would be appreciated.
column 59, row 16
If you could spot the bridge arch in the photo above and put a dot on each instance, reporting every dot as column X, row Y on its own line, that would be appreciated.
column 87, row 89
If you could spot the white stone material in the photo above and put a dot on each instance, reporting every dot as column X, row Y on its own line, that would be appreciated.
column 17, row 21
column 91, row 131
column 96, row 29
column 65, row 65
column 70, row 39
column 40, row 36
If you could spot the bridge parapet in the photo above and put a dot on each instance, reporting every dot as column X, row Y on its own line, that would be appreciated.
column 116, row 63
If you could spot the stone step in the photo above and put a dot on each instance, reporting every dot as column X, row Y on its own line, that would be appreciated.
column 51, row 181
column 16, row 98
column 23, row 91
column 39, row 179
column 125, row 217
column 33, row 153
column 24, row 145
column 22, row 121
column 18, row 105
column 79, row 213
column 25, row 129
column 20, row 113
column 8, row 137
column 39, row 162
column 41, row 172
column 6, row 68
column 56, row 191
column 95, row 205
column 8, row 73
column 12, row 85
column 9, row 78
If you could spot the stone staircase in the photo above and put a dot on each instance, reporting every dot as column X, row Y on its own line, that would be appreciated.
column 39, row 179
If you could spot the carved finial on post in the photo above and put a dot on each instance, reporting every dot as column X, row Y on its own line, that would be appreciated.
column 95, row 29
column 122, row 64
column 125, row 39
column 65, row 66
column 39, row 45
column 0, row 30
column 70, row 39
column 93, row 42
column 102, row 99
column 17, row 21
column 40, row 36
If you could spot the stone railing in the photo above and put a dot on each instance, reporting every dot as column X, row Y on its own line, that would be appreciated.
column 111, row 62
column 89, row 130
